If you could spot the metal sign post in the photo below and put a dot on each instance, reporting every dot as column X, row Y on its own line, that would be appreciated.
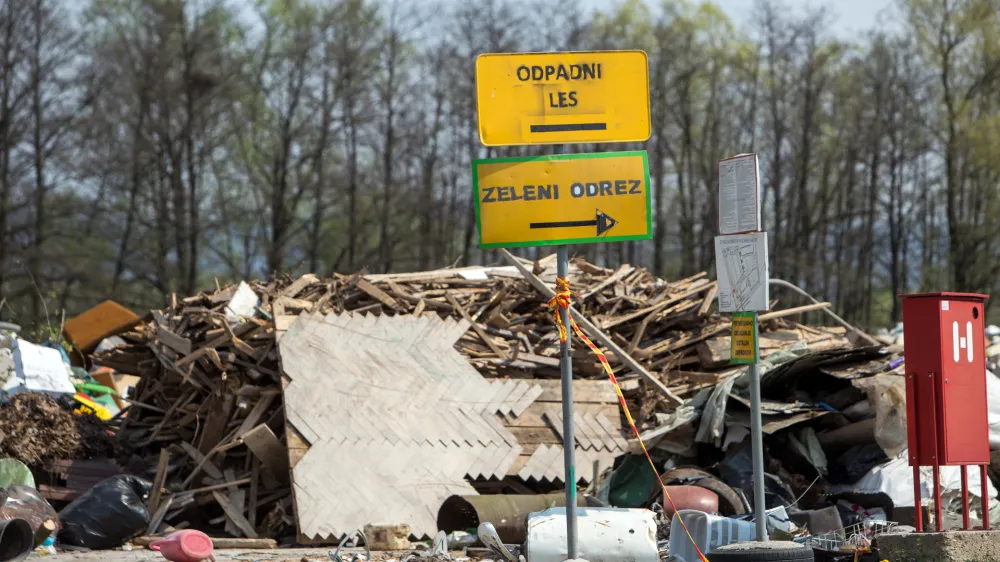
column 742, row 272
column 557, row 98
column 757, row 440
column 566, row 378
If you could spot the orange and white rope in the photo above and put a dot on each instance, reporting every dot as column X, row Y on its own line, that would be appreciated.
column 562, row 300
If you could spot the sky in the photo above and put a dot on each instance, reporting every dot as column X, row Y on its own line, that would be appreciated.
column 849, row 17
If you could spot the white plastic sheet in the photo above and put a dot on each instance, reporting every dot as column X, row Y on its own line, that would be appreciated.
column 895, row 479
column 40, row 369
column 243, row 304
column 993, row 409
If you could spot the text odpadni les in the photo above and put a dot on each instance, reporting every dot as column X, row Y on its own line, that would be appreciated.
column 545, row 192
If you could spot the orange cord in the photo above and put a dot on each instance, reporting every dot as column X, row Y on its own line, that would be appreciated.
column 563, row 299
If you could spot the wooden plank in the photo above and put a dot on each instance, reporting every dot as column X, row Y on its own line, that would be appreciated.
column 220, row 543
column 554, row 419
column 208, row 456
column 239, row 331
column 219, row 413
column 254, row 493
column 173, row 341
column 266, row 447
column 209, row 467
column 595, row 333
column 525, row 401
column 613, row 429
column 476, row 327
column 539, row 360
column 235, row 515
column 288, row 303
column 707, row 378
column 284, row 322
column 257, row 413
column 213, row 487
column 158, row 516
column 623, row 270
column 584, row 391
column 237, row 498
column 376, row 293
column 706, row 304
column 159, row 480
column 698, row 288
column 299, row 285
column 535, row 435
column 532, row 417
column 714, row 352
column 792, row 311
column 520, row 390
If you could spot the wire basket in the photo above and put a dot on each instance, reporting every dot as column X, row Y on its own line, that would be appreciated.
column 860, row 536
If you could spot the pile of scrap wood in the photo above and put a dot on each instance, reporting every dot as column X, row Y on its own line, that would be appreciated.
column 208, row 411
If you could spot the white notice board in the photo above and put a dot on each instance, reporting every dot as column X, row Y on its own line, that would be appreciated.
column 739, row 194
column 741, row 268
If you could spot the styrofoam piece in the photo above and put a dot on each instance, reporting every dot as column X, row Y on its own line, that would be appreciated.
column 604, row 535
column 243, row 304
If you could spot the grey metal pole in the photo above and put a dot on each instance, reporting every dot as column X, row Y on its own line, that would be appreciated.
column 757, row 441
column 569, row 441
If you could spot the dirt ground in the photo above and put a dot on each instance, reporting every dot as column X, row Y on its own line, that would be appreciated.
column 235, row 555
column 220, row 555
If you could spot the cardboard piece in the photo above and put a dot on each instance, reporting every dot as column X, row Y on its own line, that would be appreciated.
column 85, row 331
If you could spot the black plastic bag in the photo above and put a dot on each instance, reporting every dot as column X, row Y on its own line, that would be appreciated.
column 736, row 470
column 107, row 515
column 857, row 461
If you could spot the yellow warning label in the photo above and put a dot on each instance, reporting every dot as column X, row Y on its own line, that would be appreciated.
column 743, row 345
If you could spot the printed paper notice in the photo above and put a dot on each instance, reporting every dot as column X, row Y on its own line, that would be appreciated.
column 741, row 268
column 739, row 194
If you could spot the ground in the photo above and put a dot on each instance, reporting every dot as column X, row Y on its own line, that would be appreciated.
column 235, row 555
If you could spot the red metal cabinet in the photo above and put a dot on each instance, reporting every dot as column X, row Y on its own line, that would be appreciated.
column 946, row 379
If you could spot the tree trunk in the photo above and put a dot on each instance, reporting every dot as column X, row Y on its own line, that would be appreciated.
column 36, row 254
column 385, row 244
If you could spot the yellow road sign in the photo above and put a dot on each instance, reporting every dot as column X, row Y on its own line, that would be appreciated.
column 743, row 345
column 554, row 98
column 563, row 199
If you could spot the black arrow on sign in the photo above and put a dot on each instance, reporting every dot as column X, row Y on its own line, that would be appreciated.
column 603, row 223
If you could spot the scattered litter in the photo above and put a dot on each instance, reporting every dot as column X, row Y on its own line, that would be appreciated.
column 859, row 535
column 214, row 371
column 24, row 502
column 243, row 303
column 604, row 535
column 37, row 429
column 107, row 515
column 40, row 369
column 86, row 331
column 185, row 546
column 709, row 533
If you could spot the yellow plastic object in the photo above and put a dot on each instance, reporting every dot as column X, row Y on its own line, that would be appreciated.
column 88, row 406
